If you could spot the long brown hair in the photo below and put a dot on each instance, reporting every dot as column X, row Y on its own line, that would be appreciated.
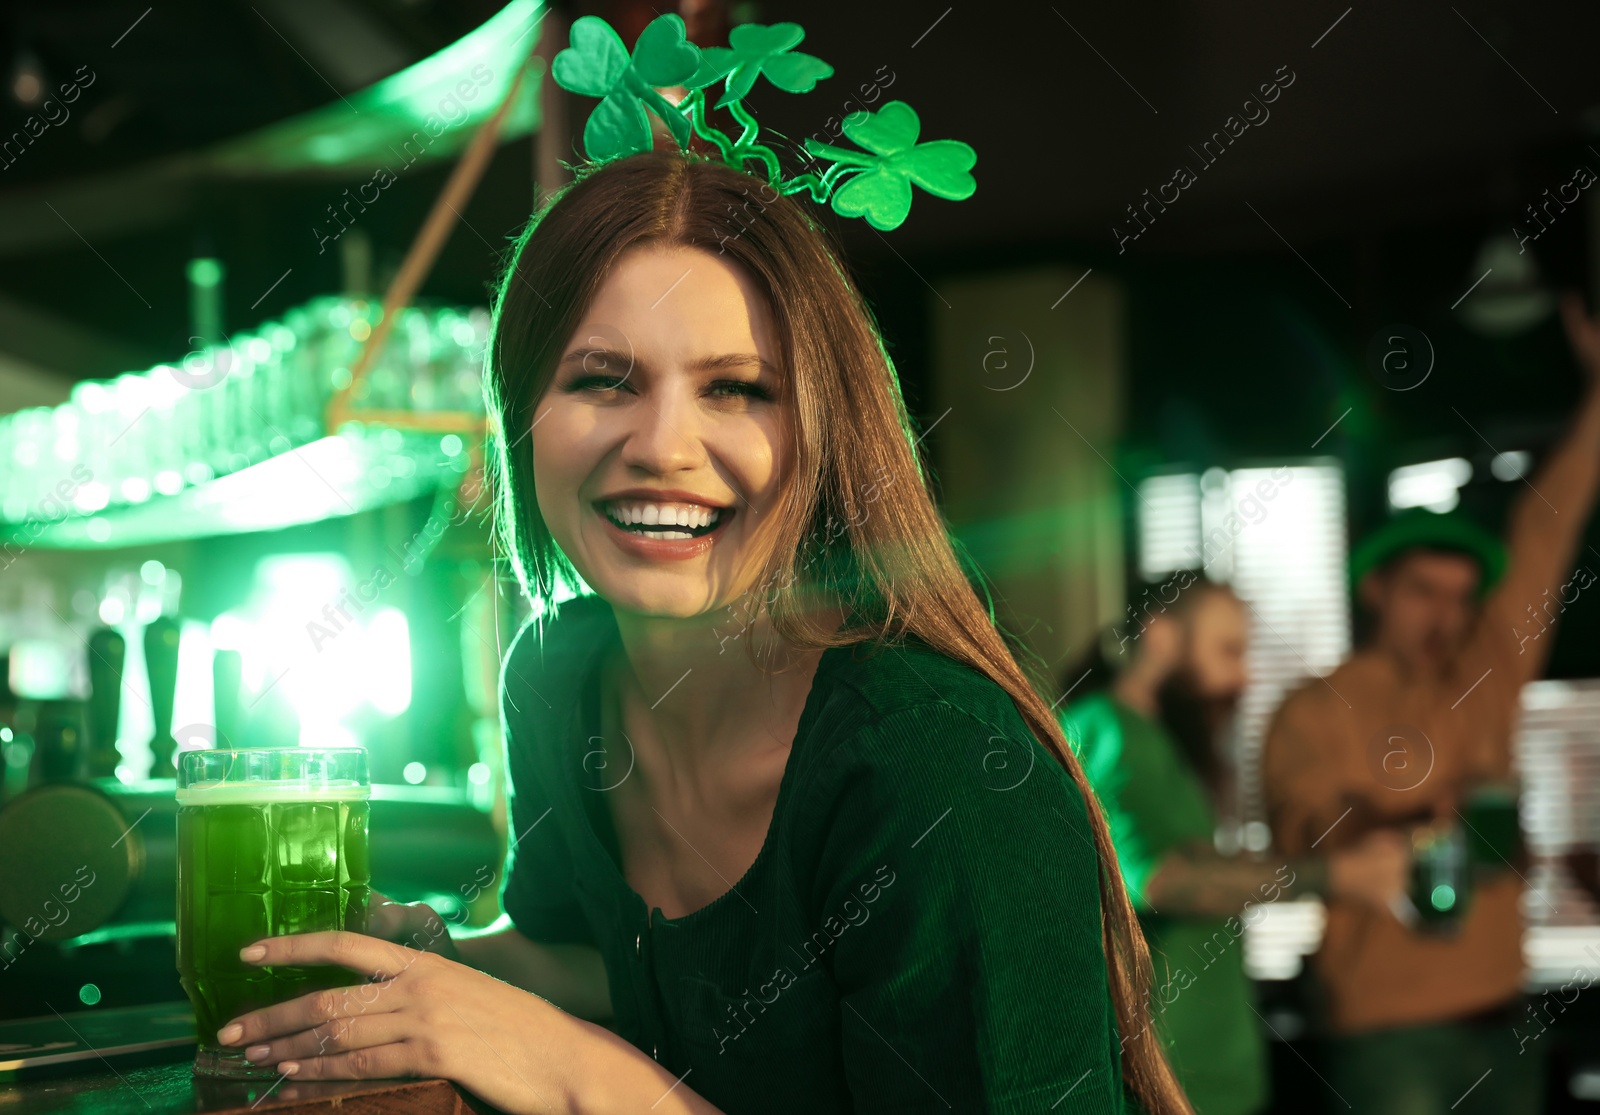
column 858, row 523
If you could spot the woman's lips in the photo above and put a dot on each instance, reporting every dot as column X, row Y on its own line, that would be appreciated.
column 665, row 549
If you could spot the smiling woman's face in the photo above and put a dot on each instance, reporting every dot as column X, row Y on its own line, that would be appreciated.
column 661, row 447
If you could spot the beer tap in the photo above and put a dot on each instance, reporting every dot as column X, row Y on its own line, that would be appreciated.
column 107, row 652
column 161, row 663
column 227, row 676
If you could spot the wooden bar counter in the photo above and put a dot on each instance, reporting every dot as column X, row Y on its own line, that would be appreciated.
column 170, row 1089
column 140, row 1060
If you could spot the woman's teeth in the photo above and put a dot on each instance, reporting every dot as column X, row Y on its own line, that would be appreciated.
column 664, row 520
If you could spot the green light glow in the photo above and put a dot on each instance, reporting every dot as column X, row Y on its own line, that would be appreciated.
column 386, row 667
column 41, row 669
column 1443, row 897
column 126, row 931
column 89, row 994
column 194, row 701
column 310, row 632
column 205, row 272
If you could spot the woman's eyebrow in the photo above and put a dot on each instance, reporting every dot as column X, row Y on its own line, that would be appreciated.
column 722, row 362
column 728, row 361
column 607, row 354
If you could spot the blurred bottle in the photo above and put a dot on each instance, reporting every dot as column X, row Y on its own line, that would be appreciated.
column 138, row 422
column 230, row 404
column 16, row 747
column 98, row 444
column 32, row 434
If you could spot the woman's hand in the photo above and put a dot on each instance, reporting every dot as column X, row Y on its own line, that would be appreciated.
column 422, row 1015
column 415, row 924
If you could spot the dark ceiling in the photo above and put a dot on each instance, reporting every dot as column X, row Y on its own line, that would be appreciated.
column 1355, row 193
column 1385, row 117
column 1396, row 137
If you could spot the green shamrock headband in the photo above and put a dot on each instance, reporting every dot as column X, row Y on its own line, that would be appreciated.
column 876, row 183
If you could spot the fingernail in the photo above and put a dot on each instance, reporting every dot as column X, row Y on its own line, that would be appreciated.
column 289, row 1068
column 231, row 1033
column 252, row 952
column 257, row 1052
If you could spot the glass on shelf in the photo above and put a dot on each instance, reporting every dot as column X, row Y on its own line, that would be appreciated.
column 227, row 406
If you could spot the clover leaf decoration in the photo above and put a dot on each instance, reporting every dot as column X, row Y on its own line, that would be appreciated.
column 879, row 187
column 758, row 49
column 876, row 181
column 597, row 64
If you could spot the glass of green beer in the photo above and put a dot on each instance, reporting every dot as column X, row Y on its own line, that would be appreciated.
column 270, row 841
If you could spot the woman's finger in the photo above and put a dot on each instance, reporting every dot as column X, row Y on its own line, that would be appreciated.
column 386, row 918
column 341, row 1035
column 374, row 1062
column 369, row 956
column 408, row 923
column 308, row 1011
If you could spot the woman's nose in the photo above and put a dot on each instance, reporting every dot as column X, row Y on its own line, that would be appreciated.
column 664, row 436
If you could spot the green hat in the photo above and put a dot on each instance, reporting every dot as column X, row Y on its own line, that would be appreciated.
column 1419, row 528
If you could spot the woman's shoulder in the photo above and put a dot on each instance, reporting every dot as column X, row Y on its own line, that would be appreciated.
column 919, row 724
column 555, row 642
column 903, row 679
column 940, row 771
column 543, row 672
column 944, row 858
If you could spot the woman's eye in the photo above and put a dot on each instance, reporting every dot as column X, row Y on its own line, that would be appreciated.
column 597, row 383
column 739, row 388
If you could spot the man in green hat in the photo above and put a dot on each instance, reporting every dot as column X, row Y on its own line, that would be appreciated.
column 1422, row 1010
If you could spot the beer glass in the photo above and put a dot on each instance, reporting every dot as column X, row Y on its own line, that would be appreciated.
column 270, row 841
column 1441, row 886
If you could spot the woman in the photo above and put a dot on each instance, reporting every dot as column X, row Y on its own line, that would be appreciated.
column 786, row 812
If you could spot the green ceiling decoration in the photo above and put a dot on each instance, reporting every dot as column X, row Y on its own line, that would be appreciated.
column 427, row 111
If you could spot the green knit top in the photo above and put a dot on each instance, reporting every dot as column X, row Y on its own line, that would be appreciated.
column 920, row 931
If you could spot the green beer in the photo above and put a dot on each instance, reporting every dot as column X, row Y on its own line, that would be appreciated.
column 270, row 841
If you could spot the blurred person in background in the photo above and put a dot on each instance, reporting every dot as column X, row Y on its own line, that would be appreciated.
column 1148, row 709
column 1407, row 734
